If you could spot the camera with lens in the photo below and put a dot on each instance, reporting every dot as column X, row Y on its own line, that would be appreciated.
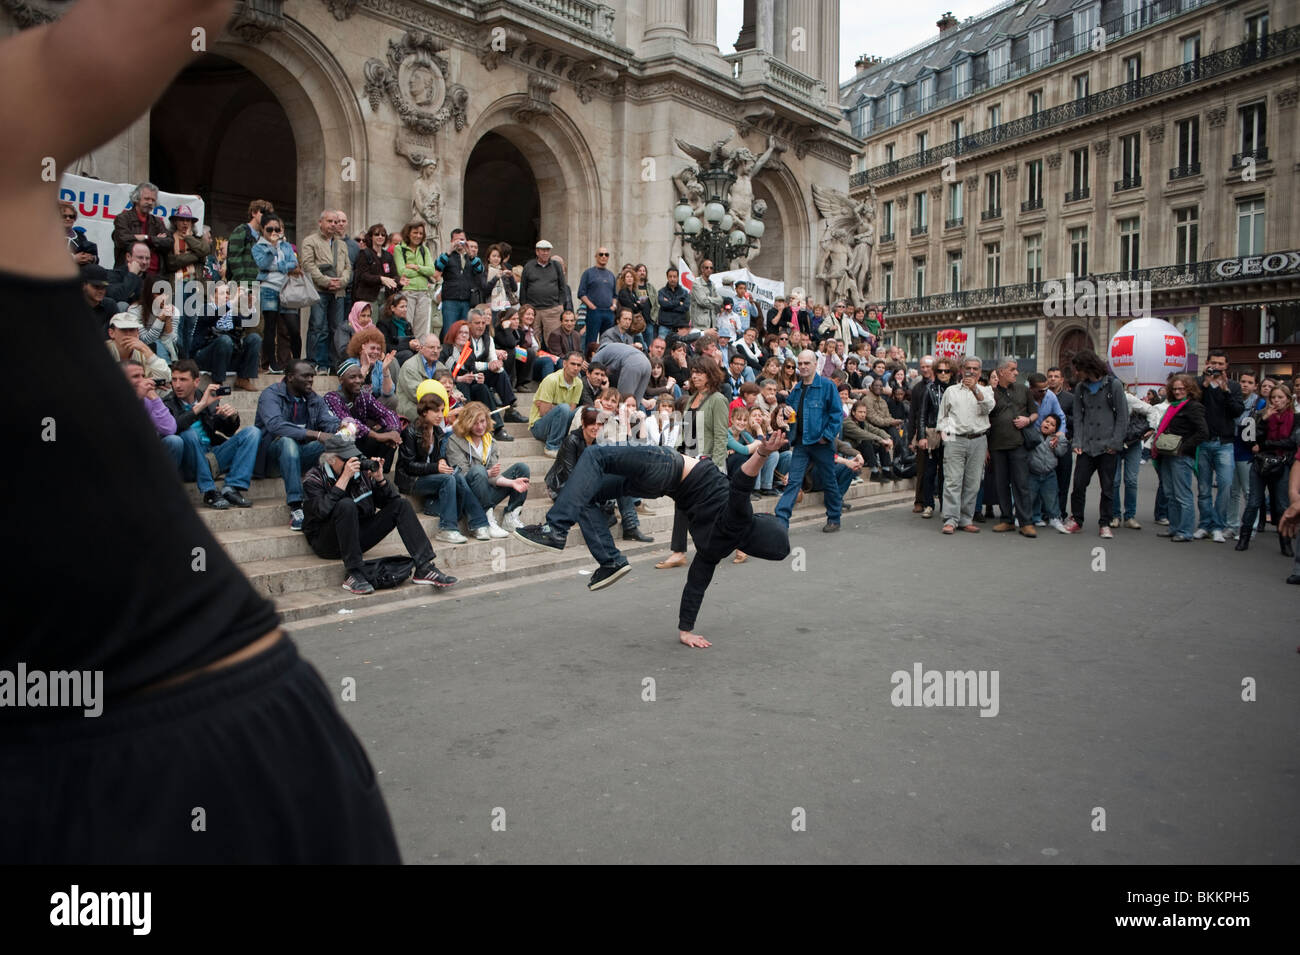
column 368, row 464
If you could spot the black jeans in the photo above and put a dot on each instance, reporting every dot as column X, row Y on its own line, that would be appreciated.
column 931, row 477
column 1011, row 480
column 1064, row 468
column 349, row 535
column 1085, row 465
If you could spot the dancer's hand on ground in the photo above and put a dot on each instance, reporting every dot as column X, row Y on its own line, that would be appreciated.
column 693, row 639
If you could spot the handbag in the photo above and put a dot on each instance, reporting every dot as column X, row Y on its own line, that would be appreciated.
column 1169, row 443
column 1269, row 465
column 298, row 292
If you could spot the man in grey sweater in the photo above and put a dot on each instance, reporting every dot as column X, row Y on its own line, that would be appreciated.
column 1100, row 420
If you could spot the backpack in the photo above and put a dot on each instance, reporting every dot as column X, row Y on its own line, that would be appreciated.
column 386, row 573
column 1137, row 421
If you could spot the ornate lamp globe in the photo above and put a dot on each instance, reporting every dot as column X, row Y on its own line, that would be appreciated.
column 754, row 228
column 682, row 212
column 737, row 238
column 714, row 212
column 727, row 222
column 692, row 225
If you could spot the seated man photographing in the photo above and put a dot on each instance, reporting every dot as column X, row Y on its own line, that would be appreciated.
column 350, row 506
column 210, row 431
column 717, row 509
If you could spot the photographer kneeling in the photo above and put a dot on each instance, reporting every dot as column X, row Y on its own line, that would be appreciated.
column 350, row 507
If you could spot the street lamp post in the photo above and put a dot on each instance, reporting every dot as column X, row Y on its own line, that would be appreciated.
column 717, row 237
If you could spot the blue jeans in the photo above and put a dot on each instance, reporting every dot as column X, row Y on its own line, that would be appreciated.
column 1162, row 499
column 221, row 353
column 612, row 471
column 1043, row 491
column 489, row 494
column 454, row 310
column 449, row 496
column 1214, row 465
column 326, row 316
column 844, row 476
column 822, row 457
column 1176, row 474
column 1240, row 493
column 174, row 445
column 541, row 368
column 552, row 426
column 286, row 458
column 598, row 319
column 236, row 456
column 1128, row 465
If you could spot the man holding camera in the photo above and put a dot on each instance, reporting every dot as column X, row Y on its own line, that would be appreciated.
column 209, row 430
column 461, row 272
column 1214, row 458
column 350, row 507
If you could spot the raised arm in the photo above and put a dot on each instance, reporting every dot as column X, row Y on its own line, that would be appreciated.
column 63, row 116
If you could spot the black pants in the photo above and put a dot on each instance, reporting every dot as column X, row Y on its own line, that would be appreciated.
column 259, row 747
column 1064, row 468
column 1085, row 465
column 349, row 535
column 281, row 339
column 876, row 456
column 1011, row 479
column 924, row 466
column 931, row 478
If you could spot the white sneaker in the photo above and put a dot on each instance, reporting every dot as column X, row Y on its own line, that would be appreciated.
column 511, row 521
column 1059, row 526
column 1040, row 523
column 494, row 529
column 1162, row 521
column 451, row 537
column 482, row 534
column 1201, row 534
column 549, row 453
column 1218, row 537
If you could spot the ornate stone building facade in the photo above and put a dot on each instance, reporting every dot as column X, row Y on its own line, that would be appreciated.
column 548, row 119
column 1119, row 140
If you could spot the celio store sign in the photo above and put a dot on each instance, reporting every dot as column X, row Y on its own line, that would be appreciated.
column 1276, row 263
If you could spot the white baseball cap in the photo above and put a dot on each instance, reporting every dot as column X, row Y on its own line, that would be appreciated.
column 543, row 244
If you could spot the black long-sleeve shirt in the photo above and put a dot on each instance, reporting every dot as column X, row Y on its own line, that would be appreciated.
column 1223, row 406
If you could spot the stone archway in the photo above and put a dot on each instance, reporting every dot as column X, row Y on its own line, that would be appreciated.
column 1069, row 342
column 786, row 253
column 570, row 201
column 502, row 199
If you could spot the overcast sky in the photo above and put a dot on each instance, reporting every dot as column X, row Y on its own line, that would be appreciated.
column 875, row 28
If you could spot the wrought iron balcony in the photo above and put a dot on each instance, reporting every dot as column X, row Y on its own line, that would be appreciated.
column 1133, row 182
column 953, row 223
column 920, row 230
column 1031, row 205
column 1078, row 195
column 1186, row 171
column 1259, row 155
column 887, row 237
column 988, row 214
column 1224, row 61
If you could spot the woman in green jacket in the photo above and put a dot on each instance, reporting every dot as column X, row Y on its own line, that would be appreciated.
column 416, row 274
column 705, row 431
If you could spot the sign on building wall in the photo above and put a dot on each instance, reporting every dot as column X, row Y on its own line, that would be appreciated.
column 99, row 203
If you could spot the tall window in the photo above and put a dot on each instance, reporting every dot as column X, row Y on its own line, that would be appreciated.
column 922, row 142
column 1079, row 171
column 992, row 264
column 887, row 280
column 889, row 152
column 1132, row 15
column 1191, row 56
column 1040, row 43
column 1132, row 68
column 1130, row 159
column 1084, row 21
column 1130, row 239
column 887, row 217
column 1034, row 181
column 1252, row 128
column 995, row 116
column 1035, row 102
column 954, row 202
column 918, row 277
column 997, row 62
column 895, row 105
column 1257, row 32
column 1079, row 250
column 1081, row 86
column 925, row 92
column 993, row 192
column 958, row 129
column 1250, row 226
column 954, row 271
column 961, row 78
column 1187, row 234
column 1189, row 142
column 1033, row 258
column 920, row 214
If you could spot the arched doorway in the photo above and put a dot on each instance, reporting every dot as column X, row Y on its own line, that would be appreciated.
column 502, row 202
column 770, row 261
column 243, row 149
column 1072, row 342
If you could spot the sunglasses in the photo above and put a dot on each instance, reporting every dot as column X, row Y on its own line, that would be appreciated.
column 943, row 371
column 273, row 231
column 602, row 255
column 70, row 217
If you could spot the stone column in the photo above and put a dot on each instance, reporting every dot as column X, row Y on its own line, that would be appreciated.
column 665, row 26
column 801, row 27
column 828, row 46
column 780, row 29
column 704, row 24
column 763, row 25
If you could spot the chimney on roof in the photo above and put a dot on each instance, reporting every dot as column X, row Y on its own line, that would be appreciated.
column 866, row 62
column 947, row 22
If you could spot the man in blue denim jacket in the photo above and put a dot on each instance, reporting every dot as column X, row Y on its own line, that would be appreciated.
column 816, row 426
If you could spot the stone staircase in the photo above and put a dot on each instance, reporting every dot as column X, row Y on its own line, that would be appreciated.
column 280, row 564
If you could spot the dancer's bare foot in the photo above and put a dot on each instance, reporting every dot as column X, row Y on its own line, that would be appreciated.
column 675, row 559
column 693, row 639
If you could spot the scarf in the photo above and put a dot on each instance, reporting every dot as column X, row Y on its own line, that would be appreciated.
column 355, row 314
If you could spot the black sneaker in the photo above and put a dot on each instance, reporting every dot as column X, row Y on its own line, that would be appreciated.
column 635, row 534
column 215, row 501
column 604, row 576
column 540, row 535
column 979, row 517
column 233, row 495
column 501, row 435
column 356, row 584
column 432, row 575
column 514, row 417
column 831, row 527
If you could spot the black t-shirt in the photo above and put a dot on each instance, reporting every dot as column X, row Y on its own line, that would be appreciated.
column 103, row 558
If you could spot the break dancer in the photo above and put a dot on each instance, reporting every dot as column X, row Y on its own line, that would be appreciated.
column 216, row 742
column 716, row 509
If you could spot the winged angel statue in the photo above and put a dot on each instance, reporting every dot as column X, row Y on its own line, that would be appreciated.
column 849, row 234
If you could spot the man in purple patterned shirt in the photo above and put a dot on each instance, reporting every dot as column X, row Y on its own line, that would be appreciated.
column 378, row 427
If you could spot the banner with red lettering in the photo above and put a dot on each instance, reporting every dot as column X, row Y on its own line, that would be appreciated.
column 98, row 203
